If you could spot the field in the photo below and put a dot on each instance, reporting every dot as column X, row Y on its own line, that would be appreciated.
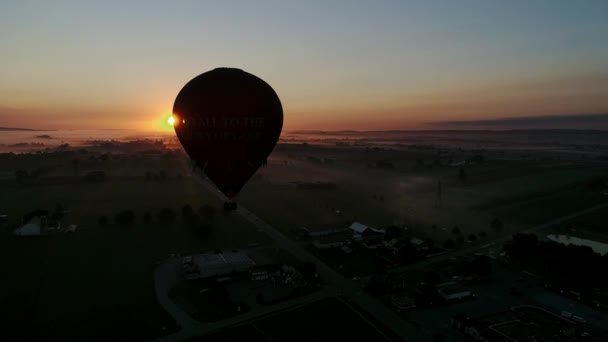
column 97, row 283
column 333, row 320
column 591, row 226
column 99, row 280
column 520, row 191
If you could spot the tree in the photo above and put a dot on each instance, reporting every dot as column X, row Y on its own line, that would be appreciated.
column 58, row 212
column 393, row 232
column 147, row 217
column 448, row 244
column 496, row 224
column 166, row 215
column 472, row 237
column 207, row 212
column 482, row 235
column 187, row 211
column 21, row 176
column 103, row 220
column 459, row 240
column 76, row 166
column 462, row 176
column 456, row 230
column 125, row 217
column 481, row 265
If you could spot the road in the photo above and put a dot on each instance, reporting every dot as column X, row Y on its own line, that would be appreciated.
column 335, row 283
column 495, row 242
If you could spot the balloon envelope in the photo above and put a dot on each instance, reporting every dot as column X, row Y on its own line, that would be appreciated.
column 228, row 121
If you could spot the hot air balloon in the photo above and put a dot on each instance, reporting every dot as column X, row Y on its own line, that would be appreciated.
column 228, row 121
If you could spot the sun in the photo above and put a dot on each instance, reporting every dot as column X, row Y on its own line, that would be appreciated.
column 171, row 120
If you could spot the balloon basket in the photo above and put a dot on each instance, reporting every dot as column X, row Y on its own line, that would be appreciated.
column 230, row 205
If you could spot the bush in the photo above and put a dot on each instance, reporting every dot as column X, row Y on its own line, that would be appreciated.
column 207, row 212
column 147, row 218
column 187, row 211
column 166, row 215
column 124, row 218
column 103, row 220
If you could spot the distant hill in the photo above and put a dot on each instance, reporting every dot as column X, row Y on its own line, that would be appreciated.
column 17, row 129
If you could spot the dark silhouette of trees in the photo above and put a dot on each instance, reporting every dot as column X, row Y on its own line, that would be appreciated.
column 187, row 211
column 393, row 232
column 103, row 220
column 166, row 215
column 21, row 176
column 147, row 217
column 96, row 176
column 567, row 266
column 456, row 230
column 462, row 176
column 480, row 265
column 497, row 224
column 125, row 217
column 207, row 212
column 58, row 213
column 76, row 166
column 448, row 244
column 472, row 237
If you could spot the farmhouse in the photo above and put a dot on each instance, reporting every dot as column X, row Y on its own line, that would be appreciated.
column 361, row 231
column 31, row 228
column 332, row 241
column 451, row 291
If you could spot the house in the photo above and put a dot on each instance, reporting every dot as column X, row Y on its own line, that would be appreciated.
column 336, row 240
column 451, row 292
column 361, row 231
column 32, row 228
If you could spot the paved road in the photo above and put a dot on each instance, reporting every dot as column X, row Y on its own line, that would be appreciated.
column 495, row 242
column 335, row 284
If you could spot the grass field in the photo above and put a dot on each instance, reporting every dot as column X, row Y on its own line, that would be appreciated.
column 520, row 192
column 325, row 320
column 97, row 283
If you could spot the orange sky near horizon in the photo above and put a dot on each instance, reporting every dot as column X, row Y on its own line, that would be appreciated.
column 346, row 66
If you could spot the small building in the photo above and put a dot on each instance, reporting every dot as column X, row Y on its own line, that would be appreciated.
column 403, row 302
column 418, row 243
column 336, row 240
column 217, row 264
column 31, row 228
column 361, row 231
column 451, row 292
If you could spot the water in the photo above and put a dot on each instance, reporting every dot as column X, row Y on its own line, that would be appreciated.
column 598, row 247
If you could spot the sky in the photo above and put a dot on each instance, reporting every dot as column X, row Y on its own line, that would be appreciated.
column 336, row 65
